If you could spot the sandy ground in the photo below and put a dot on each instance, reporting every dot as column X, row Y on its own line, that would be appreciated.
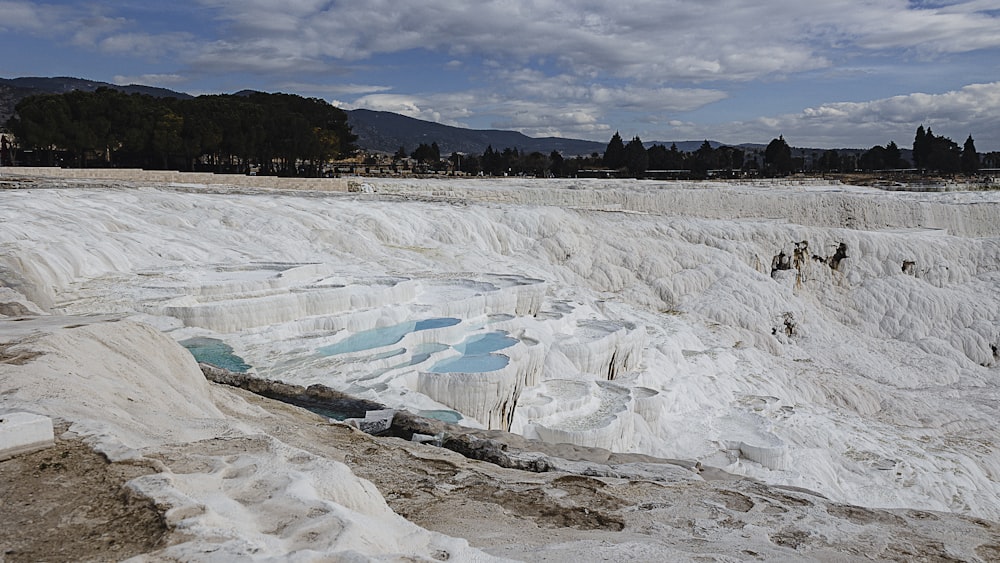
column 67, row 503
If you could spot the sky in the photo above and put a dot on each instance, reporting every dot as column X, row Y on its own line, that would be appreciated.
column 830, row 74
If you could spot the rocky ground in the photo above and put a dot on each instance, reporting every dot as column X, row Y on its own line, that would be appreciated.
column 67, row 503
column 520, row 514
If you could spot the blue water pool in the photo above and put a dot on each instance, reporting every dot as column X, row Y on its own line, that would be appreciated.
column 389, row 354
column 442, row 415
column 477, row 354
column 384, row 336
column 422, row 352
column 216, row 352
column 478, row 344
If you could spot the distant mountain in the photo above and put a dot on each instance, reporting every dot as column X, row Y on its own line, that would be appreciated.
column 386, row 132
column 13, row 90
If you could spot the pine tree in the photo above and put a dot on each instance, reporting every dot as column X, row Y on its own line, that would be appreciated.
column 614, row 155
column 558, row 164
column 892, row 155
column 920, row 148
column 778, row 157
column 636, row 158
column 970, row 159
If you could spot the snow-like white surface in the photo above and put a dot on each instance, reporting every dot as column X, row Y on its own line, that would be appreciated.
column 835, row 338
column 231, row 490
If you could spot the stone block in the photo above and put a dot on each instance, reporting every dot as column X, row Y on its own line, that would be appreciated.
column 22, row 432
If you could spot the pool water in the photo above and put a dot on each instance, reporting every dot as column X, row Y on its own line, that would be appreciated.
column 421, row 353
column 442, row 415
column 477, row 354
column 478, row 344
column 216, row 352
column 384, row 336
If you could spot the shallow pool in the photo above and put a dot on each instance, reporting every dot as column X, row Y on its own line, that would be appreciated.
column 442, row 415
column 477, row 354
column 384, row 336
column 485, row 343
column 216, row 352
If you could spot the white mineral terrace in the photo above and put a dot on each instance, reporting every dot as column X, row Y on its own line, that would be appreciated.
column 835, row 338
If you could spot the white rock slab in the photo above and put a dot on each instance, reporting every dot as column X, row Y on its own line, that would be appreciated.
column 23, row 432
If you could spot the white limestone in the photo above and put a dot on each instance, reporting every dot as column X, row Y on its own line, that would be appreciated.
column 232, row 491
column 869, row 377
column 23, row 432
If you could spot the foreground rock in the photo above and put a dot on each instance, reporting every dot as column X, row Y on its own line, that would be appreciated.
column 68, row 503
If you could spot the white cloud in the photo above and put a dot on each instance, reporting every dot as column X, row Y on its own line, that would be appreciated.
column 444, row 108
column 655, row 99
column 88, row 27
column 31, row 17
column 144, row 44
column 640, row 39
column 538, row 119
column 973, row 109
column 349, row 89
column 568, row 67
column 150, row 79
column 89, row 31
column 258, row 57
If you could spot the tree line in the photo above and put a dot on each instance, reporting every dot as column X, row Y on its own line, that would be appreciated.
column 274, row 134
column 286, row 134
column 930, row 153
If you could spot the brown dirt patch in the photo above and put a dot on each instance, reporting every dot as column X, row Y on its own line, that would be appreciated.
column 68, row 503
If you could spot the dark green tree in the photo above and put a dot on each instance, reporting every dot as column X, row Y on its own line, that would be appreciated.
column 970, row 158
column 614, row 154
column 829, row 161
column 675, row 158
column 636, row 158
column 778, row 157
column 427, row 154
column 920, row 147
column 729, row 158
column 937, row 153
column 557, row 164
column 657, row 157
column 893, row 157
column 873, row 159
column 536, row 164
column 991, row 160
column 704, row 159
column 167, row 139
column 281, row 133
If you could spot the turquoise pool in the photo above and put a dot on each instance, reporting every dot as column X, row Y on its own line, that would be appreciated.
column 442, row 415
column 216, row 352
column 384, row 336
column 477, row 354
